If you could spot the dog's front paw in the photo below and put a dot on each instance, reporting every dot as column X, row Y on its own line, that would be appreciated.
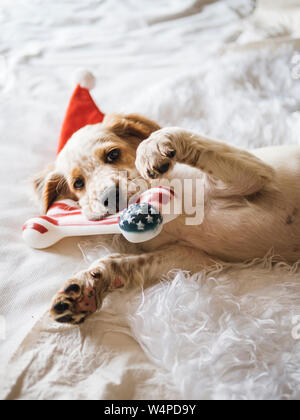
column 157, row 155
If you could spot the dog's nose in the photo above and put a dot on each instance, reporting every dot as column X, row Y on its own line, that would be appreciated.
column 111, row 199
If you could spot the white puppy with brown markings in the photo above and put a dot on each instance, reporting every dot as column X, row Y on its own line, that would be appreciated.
column 252, row 203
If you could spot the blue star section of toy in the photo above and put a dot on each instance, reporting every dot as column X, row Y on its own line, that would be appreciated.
column 140, row 218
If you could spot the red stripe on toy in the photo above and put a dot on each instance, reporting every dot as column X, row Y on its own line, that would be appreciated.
column 170, row 190
column 35, row 226
column 58, row 215
column 112, row 220
column 63, row 206
column 50, row 220
column 156, row 197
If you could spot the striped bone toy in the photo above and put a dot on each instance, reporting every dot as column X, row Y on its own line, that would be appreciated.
column 140, row 222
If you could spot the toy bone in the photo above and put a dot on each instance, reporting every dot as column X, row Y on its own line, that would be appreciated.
column 140, row 222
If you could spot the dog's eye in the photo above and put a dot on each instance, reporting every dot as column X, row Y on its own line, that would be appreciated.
column 113, row 155
column 79, row 184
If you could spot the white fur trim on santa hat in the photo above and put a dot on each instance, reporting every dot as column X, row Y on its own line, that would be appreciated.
column 85, row 79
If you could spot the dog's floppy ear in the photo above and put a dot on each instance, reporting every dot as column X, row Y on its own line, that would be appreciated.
column 49, row 186
column 132, row 125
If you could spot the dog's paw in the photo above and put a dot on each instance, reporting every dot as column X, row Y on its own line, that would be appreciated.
column 157, row 155
column 84, row 295
column 75, row 303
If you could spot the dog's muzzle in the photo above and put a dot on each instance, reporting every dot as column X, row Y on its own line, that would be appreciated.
column 113, row 199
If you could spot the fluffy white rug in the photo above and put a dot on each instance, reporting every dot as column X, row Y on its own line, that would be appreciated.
column 233, row 334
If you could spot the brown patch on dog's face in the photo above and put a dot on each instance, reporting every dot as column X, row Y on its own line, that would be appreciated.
column 98, row 163
column 49, row 185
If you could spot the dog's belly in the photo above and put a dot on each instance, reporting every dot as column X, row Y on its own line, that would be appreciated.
column 232, row 237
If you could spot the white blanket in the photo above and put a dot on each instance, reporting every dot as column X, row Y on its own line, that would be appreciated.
column 219, row 67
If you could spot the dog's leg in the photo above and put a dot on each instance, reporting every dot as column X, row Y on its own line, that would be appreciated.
column 241, row 172
column 84, row 294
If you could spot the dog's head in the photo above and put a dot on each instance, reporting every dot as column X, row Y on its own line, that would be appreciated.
column 96, row 166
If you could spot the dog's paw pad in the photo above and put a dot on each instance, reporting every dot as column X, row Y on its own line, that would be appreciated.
column 74, row 304
column 61, row 307
column 88, row 301
column 67, row 319
column 73, row 288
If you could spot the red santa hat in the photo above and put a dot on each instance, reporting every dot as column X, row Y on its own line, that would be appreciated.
column 82, row 110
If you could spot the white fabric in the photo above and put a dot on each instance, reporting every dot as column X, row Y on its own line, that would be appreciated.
column 212, row 66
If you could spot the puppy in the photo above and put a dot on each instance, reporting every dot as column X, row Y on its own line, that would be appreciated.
column 252, row 203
